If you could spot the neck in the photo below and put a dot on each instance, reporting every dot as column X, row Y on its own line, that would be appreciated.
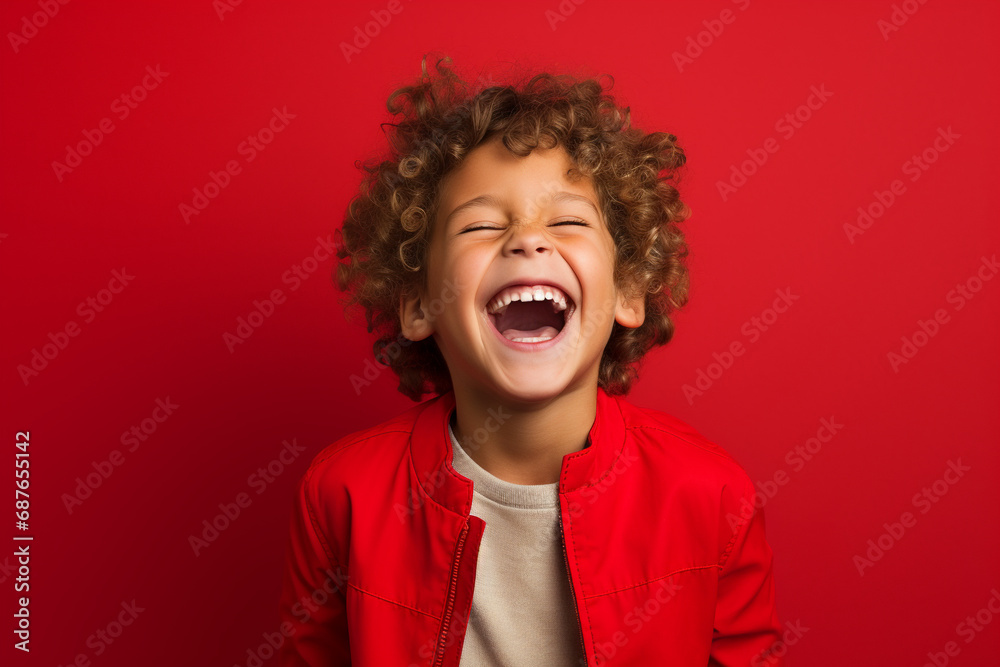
column 523, row 443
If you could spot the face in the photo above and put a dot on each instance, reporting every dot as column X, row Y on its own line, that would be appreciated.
column 520, row 293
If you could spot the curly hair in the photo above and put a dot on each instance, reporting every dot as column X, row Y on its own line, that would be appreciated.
column 387, row 226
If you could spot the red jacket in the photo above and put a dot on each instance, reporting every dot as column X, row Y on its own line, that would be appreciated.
column 668, row 560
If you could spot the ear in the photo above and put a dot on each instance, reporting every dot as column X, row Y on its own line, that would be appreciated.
column 413, row 320
column 630, row 312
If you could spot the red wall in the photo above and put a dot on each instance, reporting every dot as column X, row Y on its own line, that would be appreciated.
column 161, row 336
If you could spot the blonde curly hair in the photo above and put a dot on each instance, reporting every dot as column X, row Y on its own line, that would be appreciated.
column 383, row 241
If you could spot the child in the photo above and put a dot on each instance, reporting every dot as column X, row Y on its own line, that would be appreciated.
column 517, row 254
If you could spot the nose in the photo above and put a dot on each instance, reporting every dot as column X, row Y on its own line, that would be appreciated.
column 527, row 239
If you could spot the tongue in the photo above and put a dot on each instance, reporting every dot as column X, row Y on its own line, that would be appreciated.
column 548, row 332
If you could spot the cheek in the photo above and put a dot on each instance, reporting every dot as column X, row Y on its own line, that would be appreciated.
column 454, row 281
column 595, row 264
column 466, row 270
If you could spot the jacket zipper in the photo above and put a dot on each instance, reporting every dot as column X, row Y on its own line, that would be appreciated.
column 576, row 611
column 439, row 658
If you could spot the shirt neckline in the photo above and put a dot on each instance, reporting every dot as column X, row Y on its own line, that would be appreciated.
column 523, row 496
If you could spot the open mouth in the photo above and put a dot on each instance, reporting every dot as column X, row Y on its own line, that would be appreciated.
column 530, row 313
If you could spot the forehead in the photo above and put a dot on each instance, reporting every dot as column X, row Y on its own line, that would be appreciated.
column 492, row 174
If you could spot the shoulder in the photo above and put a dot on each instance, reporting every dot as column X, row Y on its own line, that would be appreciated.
column 676, row 446
column 685, row 470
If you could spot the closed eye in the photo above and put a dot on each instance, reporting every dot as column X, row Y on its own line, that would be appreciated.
column 561, row 222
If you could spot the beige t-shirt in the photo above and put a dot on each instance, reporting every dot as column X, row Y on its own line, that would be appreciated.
column 522, row 606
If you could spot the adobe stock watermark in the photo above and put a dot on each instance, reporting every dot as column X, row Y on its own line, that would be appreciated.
column 31, row 25
column 545, row 197
column 258, row 482
column 915, row 167
column 791, row 636
column 598, row 317
column 484, row 81
column 223, row 7
column 589, row 494
column 958, row 297
column 267, row 649
column 797, row 458
column 495, row 418
column 786, row 126
column 563, row 11
column 637, row 618
column 131, row 440
column 900, row 14
column 7, row 570
column 249, row 149
column 102, row 639
column 697, row 43
column 592, row 493
column 373, row 369
column 294, row 277
column 968, row 629
column 88, row 309
column 922, row 501
column 363, row 34
column 122, row 107
column 334, row 583
column 752, row 329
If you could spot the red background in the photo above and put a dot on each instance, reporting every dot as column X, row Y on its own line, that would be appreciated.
column 162, row 336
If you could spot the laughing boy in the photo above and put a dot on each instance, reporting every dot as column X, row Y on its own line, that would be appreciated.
column 517, row 253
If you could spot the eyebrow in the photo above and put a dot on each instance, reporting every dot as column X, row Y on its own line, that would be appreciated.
column 493, row 201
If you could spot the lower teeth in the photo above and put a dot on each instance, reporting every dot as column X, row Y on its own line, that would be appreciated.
column 537, row 339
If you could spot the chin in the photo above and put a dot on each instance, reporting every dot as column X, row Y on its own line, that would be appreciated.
column 527, row 389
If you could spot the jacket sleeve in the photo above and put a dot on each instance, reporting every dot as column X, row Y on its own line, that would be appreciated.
column 747, row 631
column 313, row 606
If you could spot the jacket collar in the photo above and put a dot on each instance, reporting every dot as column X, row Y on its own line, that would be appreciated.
column 430, row 449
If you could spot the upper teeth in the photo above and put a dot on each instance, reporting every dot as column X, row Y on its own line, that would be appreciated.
column 528, row 293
